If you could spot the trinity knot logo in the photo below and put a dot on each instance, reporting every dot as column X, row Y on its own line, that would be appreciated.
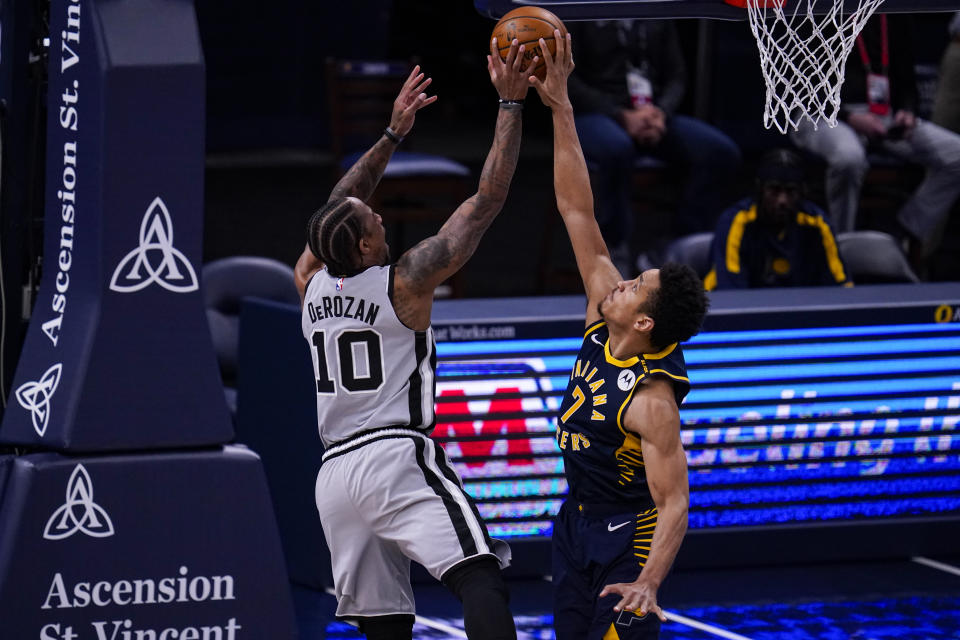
column 79, row 512
column 35, row 397
column 156, row 260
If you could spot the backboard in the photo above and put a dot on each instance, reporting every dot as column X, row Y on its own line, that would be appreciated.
column 716, row 9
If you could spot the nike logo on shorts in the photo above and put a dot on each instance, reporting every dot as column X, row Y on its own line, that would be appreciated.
column 610, row 526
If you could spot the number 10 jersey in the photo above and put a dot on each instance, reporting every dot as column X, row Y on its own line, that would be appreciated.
column 372, row 371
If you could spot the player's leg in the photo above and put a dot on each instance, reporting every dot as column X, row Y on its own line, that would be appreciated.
column 479, row 585
column 387, row 627
column 846, row 158
column 572, row 593
column 925, row 214
column 622, row 567
column 608, row 624
column 371, row 576
column 427, row 513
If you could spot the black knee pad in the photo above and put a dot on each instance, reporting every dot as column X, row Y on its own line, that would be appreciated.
column 398, row 627
column 480, row 587
column 476, row 578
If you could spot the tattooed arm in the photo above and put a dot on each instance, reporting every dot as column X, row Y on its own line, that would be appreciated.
column 364, row 176
column 422, row 268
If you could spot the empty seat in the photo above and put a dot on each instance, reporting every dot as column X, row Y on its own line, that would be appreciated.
column 226, row 282
column 693, row 250
column 874, row 257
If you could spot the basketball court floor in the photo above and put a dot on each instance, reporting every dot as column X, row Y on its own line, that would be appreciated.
column 911, row 599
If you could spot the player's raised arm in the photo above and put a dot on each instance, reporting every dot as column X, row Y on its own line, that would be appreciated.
column 422, row 268
column 364, row 176
column 571, row 181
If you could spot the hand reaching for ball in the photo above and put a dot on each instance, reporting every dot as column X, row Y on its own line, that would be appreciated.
column 509, row 76
column 553, row 88
column 410, row 100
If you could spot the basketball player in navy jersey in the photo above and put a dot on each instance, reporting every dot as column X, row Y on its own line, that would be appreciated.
column 619, row 424
column 386, row 492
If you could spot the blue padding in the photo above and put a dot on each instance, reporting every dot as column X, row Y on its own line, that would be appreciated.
column 167, row 541
column 277, row 417
column 408, row 164
column 118, row 354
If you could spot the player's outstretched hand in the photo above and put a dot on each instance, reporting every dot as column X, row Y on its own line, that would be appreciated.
column 639, row 597
column 410, row 100
column 553, row 88
column 509, row 76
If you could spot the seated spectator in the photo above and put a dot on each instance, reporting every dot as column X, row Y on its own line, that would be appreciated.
column 775, row 239
column 877, row 107
column 946, row 106
column 628, row 83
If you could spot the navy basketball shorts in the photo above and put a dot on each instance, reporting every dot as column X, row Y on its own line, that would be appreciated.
column 591, row 549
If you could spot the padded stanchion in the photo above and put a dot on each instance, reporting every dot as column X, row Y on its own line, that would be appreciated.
column 276, row 388
column 109, row 546
column 118, row 355
column 169, row 543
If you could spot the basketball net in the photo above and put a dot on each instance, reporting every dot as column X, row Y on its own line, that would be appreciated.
column 803, row 56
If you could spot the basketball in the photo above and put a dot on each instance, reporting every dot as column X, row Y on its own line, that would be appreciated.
column 528, row 25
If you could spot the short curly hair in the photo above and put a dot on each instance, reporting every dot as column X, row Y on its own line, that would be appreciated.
column 678, row 307
column 333, row 235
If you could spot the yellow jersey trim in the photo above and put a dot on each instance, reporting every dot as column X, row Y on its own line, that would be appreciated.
column 626, row 402
column 667, row 373
column 660, row 354
column 710, row 280
column 629, row 362
column 596, row 325
column 829, row 243
column 735, row 237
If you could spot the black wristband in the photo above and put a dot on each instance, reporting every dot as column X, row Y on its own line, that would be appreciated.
column 392, row 136
column 511, row 104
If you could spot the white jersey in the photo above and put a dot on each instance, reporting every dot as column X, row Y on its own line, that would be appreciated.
column 372, row 372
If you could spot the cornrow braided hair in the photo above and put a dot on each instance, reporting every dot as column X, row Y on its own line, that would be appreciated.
column 333, row 235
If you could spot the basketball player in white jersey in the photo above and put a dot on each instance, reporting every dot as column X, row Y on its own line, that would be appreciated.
column 386, row 492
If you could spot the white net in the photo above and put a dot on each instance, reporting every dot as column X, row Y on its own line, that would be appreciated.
column 803, row 55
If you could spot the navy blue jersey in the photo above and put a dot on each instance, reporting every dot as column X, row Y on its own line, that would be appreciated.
column 746, row 254
column 603, row 462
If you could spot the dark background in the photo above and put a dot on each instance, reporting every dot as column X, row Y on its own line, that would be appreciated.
column 269, row 164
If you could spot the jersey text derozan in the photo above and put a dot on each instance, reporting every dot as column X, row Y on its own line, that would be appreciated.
column 343, row 307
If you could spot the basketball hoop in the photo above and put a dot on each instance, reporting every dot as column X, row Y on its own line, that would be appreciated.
column 803, row 52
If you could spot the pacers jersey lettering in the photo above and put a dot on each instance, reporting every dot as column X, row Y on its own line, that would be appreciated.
column 602, row 460
column 371, row 370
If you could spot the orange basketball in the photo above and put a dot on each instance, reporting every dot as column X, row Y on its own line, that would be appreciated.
column 528, row 25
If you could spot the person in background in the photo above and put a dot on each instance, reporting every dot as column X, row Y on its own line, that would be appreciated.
column 878, row 99
column 775, row 238
column 626, row 89
column 946, row 107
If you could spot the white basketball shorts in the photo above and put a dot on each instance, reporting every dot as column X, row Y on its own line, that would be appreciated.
column 385, row 498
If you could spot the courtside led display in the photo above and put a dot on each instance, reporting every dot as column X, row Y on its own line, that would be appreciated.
column 782, row 426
